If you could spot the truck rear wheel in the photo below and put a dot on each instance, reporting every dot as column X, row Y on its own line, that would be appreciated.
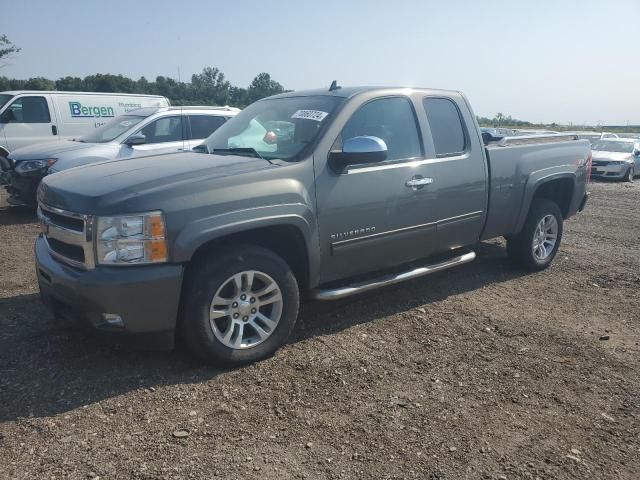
column 240, row 306
column 537, row 244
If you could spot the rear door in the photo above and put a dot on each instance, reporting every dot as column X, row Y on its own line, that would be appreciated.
column 200, row 127
column 458, row 171
column 370, row 216
column 29, row 119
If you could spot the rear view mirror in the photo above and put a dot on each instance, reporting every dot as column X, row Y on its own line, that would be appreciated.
column 137, row 139
column 359, row 150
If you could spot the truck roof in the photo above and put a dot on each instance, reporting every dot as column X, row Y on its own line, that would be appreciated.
column 58, row 92
column 348, row 92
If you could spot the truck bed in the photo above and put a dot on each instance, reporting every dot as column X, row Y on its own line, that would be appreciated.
column 516, row 162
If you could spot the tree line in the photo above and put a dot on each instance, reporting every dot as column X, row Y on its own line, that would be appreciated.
column 207, row 88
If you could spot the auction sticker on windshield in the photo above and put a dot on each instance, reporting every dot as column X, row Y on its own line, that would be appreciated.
column 316, row 115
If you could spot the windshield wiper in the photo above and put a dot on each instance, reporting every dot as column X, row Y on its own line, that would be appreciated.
column 247, row 151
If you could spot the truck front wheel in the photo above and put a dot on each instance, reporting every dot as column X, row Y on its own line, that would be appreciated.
column 537, row 244
column 240, row 306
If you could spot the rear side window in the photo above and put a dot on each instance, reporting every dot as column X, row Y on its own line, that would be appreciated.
column 446, row 125
column 390, row 119
column 28, row 110
column 204, row 125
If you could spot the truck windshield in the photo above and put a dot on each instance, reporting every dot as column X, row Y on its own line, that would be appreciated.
column 4, row 98
column 274, row 128
column 112, row 129
column 613, row 146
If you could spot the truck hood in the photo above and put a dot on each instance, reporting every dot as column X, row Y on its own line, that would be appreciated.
column 93, row 188
column 612, row 156
column 48, row 150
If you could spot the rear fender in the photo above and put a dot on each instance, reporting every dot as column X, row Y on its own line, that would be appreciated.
column 535, row 181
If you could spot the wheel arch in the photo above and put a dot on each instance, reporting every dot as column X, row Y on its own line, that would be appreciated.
column 286, row 237
column 557, row 187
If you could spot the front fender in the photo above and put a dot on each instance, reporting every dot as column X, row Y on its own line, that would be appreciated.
column 204, row 230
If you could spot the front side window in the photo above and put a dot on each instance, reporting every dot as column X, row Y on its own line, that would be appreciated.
column 204, row 125
column 277, row 128
column 28, row 110
column 163, row 130
column 390, row 119
column 446, row 126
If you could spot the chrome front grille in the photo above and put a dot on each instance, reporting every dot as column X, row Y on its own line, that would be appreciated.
column 68, row 235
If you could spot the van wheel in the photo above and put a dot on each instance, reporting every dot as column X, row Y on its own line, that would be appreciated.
column 537, row 244
column 240, row 306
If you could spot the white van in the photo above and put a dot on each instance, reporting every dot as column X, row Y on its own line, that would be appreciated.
column 28, row 117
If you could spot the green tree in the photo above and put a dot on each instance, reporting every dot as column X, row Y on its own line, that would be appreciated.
column 7, row 48
column 70, row 84
column 39, row 83
column 263, row 86
column 210, row 86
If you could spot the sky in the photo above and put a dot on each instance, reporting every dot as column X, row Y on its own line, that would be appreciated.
column 565, row 61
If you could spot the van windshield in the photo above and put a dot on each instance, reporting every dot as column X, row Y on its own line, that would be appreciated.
column 112, row 129
column 4, row 98
column 274, row 128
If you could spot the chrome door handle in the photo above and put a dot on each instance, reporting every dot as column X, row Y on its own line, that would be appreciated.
column 419, row 182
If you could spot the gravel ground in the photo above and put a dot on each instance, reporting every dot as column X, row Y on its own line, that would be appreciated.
column 480, row 372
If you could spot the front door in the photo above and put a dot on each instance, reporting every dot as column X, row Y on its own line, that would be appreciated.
column 28, row 120
column 164, row 135
column 379, row 215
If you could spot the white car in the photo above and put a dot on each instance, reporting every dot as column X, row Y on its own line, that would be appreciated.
column 616, row 158
column 140, row 132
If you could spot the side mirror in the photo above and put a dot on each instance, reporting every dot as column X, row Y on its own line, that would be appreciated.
column 137, row 139
column 636, row 152
column 359, row 150
column 202, row 148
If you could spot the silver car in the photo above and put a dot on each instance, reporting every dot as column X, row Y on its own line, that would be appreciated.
column 145, row 131
column 616, row 158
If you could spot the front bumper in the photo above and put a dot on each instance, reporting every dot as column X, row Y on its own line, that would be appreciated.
column 145, row 297
column 612, row 170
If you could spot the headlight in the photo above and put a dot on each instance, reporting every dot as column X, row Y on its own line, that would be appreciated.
column 33, row 165
column 131, row 239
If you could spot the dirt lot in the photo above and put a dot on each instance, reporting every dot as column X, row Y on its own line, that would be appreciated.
column 478, row 372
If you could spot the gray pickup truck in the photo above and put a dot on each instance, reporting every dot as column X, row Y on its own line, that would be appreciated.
column 323, row 193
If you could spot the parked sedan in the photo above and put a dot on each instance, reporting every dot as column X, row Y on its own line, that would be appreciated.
column 140, row 132
column 616, row 158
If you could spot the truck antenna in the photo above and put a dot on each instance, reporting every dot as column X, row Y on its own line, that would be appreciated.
column 334, row 86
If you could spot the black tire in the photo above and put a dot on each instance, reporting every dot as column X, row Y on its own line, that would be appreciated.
column 520, row 247
column 4, row 162
column 630, row 175
column 208, row 277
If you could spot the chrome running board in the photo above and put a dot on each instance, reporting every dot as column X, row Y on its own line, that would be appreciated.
column 353, row 289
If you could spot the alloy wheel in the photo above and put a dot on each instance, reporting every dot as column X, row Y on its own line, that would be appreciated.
column 246, row 309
